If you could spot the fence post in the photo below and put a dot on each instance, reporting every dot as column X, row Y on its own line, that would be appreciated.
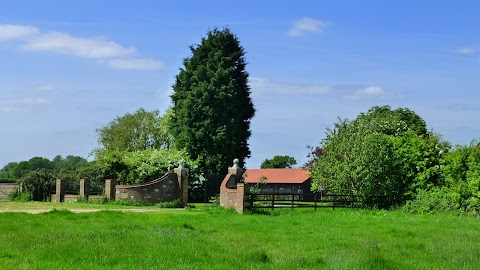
column 333, row 202
column 273, row 199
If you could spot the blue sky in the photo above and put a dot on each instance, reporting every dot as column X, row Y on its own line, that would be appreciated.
column 70, row 67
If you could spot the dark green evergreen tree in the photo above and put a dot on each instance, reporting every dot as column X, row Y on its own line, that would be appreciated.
column 212, row 107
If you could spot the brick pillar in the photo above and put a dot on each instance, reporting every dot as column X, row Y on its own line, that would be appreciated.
column 239, row 201
column 182, row 176
column 59, row 191
column 110, row 189
column 84, row 188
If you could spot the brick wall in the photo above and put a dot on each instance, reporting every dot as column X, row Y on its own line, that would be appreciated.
column 164, row 189
column 170, row 187
column 6, row 189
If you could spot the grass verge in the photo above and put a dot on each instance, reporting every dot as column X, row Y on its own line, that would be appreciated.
column 213, row 238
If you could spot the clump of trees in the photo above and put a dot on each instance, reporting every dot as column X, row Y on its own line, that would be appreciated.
column 279, row 162
column 382, row 156
column 37, row 175
column 388, row 158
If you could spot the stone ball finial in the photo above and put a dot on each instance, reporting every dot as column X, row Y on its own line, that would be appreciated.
column 235, row 162
column 181, row 163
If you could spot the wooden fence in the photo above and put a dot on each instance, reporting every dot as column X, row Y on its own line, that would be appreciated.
column 296, row 200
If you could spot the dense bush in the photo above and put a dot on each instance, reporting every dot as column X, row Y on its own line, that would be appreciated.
column 38, row 184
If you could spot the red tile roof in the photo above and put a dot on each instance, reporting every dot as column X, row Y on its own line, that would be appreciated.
column 277, row 176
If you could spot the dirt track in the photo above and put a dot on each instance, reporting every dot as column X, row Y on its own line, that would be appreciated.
column 81, row 210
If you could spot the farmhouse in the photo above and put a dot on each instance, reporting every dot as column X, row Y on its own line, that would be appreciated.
column 279, row 181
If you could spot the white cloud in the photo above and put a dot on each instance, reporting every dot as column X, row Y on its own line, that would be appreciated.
column 368, row 92
column 110, row 53
column 261, row 85
column 21, row 105
column 136, row 63
column 12, row 31
column 83, row 47
column 465, row 50
column 306, row 25
column 44, row 88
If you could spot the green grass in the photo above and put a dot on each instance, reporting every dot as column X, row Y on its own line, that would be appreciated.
column 210, row 238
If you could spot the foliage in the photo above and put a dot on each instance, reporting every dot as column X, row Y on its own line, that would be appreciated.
column 279, row 162
column 141, row 166
column 142, row 130
column 393, row 122
column 420, row 158
column 461, row 173
column 382, row 153
column 59, row 166
column 68, row 164
column 433, row 200
column 212, row 107
column 358, row 161
column 18, row 196
column 173, row 204
column 39, row 184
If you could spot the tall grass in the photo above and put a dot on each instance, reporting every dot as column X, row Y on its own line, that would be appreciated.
column 222, row 239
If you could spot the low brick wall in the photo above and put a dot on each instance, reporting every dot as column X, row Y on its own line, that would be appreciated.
column 6, row 189
column 160, row 190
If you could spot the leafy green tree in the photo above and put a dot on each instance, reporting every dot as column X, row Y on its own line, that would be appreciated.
column 357, row 160
column 7, row 173
column 212, row 107
column 394, row 122
column 279, row 162
column 383, row 152
column 141, row 130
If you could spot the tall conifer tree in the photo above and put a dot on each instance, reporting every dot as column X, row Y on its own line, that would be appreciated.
column 212, row 107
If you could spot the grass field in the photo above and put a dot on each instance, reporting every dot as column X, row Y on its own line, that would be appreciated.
column 211, row 238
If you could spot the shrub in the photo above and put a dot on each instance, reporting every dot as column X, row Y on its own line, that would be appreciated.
column 434, row 200
column 18, row 196
column 39, row 184
column 172, row 204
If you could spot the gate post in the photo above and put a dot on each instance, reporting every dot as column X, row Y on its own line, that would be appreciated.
column 110, row 189
column 84, row 188
column 59, row 191
column 182, row 176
